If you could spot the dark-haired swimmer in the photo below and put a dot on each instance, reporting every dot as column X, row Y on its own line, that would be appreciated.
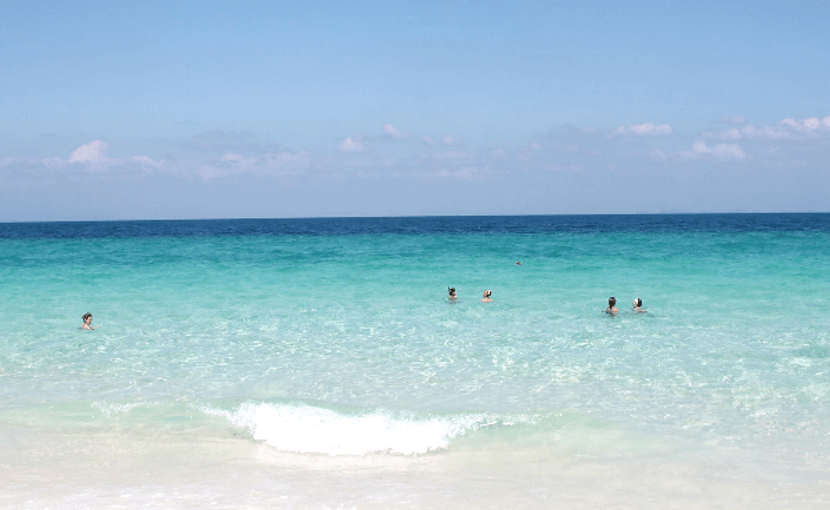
column 487, row 295
column 452, row 297
column 87, row 321
column 611, row 308
column 638, row 306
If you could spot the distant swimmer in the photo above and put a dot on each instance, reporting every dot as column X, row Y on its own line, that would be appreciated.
column 518, row 263
column 87, row 321
column 452, row 297
column 487, row 295
column 611, row 308
column 638, row 306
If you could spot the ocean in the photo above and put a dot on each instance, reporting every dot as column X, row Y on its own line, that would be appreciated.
column 317, row 363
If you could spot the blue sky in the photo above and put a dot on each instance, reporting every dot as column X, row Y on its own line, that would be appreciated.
column 276, row 109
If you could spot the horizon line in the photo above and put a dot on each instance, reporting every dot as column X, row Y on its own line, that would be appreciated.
column 662, row 213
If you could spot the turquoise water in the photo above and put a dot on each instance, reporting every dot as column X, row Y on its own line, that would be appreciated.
column 315, row 349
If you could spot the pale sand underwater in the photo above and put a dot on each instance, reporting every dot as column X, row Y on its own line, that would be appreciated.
column 105, row 471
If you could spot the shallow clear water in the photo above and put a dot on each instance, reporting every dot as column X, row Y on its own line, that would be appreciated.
column 272, row 354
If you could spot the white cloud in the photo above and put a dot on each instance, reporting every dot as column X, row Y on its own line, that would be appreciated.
column 144, row 160
column 351, row 145
column 722, row 150
column 235, row 158
column 30, row 163
column 86, row 158
column 735, row 119
column 232, row 163
column 394, row 133
column 646, row 129
column 732, row 134
column 443, row 140
column 809, row 125
column 787, row 129
column 263, row 162
column 92, row 153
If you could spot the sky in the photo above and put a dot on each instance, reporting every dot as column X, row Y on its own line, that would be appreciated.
column 268, row 109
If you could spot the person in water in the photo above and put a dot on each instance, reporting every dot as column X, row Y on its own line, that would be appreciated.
column 87, row 321
column 452, row 297
column 487, row 295
column 612, row 309
column 638, row 306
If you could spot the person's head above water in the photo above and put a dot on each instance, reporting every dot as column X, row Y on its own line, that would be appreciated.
column 612, row 301
column 87, row 316
column 488, row 293
column 638, row 303
column 452, row 290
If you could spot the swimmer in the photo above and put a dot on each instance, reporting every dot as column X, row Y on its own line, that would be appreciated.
column 87, row 321
column 518, row 263
column 452, row 297
column 638, row 306
column 487, row 295
column 611, row 308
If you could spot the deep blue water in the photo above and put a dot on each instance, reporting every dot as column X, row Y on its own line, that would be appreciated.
column 645, row 223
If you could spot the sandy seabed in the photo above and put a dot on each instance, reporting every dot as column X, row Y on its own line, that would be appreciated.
column 107, row 470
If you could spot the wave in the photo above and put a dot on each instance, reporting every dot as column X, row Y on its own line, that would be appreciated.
column 303, row 428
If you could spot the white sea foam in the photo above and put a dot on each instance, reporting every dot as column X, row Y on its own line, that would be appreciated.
column 307, row 429
column 110, row 409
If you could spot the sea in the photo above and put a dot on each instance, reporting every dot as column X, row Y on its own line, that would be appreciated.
column 318, row 364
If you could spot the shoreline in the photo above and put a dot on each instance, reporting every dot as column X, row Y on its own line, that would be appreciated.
column 101, row 471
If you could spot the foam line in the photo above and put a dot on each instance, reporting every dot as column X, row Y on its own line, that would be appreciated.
column 308, row 429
